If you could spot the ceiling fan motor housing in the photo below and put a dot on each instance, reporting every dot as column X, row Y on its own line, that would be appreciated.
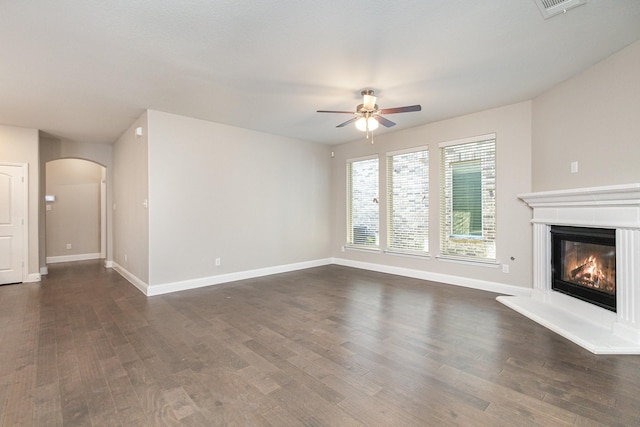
column 360, row 109
column 369, row 100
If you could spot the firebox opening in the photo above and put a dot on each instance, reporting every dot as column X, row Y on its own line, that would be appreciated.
column 583, row 262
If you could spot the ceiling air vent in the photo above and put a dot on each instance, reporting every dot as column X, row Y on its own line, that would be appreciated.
column 550, row 8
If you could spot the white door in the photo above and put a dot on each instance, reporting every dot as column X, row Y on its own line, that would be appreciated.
column 11, row 223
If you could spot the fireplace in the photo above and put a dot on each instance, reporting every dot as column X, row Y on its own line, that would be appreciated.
column 583, row 264
column 587, row 240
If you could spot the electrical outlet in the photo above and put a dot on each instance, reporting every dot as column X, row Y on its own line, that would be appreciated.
column 218, row 261
column 68, row 245
column 125, row 258
column 505, row 268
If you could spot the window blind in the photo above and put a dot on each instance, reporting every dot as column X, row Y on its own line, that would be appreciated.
column 468, row 211
column 362, row 203
column 408, row 201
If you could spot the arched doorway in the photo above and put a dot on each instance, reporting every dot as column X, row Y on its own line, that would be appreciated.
column 75, row 210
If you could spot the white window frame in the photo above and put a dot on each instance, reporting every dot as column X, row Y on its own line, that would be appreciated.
column 462, row 247
column 349, row 220
column 391, row 231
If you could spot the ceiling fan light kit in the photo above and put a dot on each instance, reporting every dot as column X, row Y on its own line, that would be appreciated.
column 363, row 124
column 367, row 115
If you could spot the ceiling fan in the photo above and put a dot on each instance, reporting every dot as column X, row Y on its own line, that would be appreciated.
column 367, row 115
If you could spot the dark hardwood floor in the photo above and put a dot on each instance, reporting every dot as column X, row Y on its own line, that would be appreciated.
column 328, row 346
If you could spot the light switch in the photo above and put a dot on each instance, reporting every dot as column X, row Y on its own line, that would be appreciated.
column 574, row 167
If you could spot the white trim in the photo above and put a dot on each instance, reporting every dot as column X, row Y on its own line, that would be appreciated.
column 585, row 206
column 363, row 158
column 468, row 261
column 108, row 263
column 626, row 195
column 103, row 213
column 26, row 277
column 44, row 270
column 407, row 151
column 33, row 277
column 165, row 288
column 362, row 248
column 407, row 253
column 25, row 237
column 479, row 138
column 68, row 258
column 131, row 278
column 466, row 282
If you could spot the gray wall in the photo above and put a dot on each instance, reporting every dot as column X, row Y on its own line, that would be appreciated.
column 251, row 199
column 130, row 190
column 593, row 119
column 512, row 124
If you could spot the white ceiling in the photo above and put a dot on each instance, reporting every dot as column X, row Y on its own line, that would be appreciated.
column 84, row 70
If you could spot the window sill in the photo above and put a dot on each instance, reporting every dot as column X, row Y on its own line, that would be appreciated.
column 361, row 248
column 408, row 254
column 466, row 239
column 468, row 261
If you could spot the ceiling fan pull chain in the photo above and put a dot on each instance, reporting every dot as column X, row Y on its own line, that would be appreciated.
column 367, row 125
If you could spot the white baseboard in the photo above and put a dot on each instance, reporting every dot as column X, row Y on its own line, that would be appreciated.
column 108, row 263
column 131, row 278
column 67, row 258
column 183, row 285
column 33, row 277
column 44, row 270
column 466, row 282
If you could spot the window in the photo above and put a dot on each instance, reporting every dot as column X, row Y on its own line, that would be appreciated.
column 362, row 202
column 468, row 211
column 408, row 201
column 466, row 198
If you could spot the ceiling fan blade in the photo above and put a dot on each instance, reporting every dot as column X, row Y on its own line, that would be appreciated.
column 395, row 110
column 384, row 122
column 347, row 122
column 330, row 111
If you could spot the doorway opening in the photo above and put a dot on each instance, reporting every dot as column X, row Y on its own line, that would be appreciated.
column 75, row 210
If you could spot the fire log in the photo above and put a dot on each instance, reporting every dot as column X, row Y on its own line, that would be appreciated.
column 579, row 271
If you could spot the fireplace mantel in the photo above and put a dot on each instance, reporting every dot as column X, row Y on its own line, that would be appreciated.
column 598, row 330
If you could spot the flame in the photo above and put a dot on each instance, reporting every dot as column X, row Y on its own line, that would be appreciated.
column 589, row 273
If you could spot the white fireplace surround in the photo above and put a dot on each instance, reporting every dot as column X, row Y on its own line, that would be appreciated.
column 598, row 330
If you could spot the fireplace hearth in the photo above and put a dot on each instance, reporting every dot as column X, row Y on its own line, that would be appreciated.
column 586, row 266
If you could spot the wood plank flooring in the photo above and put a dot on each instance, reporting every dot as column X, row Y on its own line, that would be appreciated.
column 327, row 346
